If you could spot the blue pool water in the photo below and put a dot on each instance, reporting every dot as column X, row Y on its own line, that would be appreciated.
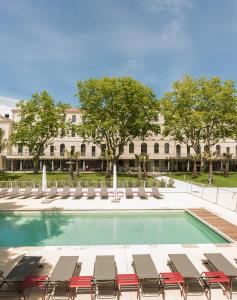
column 103, row 228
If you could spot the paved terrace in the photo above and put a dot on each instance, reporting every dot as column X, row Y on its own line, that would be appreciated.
column 123, row 254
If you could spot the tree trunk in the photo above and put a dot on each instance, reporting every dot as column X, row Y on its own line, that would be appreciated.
column 77, row 168
column 139, row 170
column 144, row 175
column 71, row 171
column 227, row 167
column 194, row 173
column 107, row 173
column 210, row 174
column 36, row 164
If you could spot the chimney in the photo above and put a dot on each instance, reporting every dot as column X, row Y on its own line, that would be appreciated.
column 7, row 116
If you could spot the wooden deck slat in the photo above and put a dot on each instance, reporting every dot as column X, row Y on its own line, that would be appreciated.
column 222, row 225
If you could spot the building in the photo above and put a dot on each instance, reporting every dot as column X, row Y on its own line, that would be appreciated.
column 164, row 153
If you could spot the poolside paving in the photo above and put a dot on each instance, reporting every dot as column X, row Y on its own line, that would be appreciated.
column 173, row 199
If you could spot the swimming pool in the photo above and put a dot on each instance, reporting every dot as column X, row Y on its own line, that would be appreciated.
column 103, row 228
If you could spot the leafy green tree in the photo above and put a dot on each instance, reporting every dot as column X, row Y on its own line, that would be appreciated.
column 181, row 119
column 3, row 141
column 42, row 120
column 200, row 111
column 115, row 111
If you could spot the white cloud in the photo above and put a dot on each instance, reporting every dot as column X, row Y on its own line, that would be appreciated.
column 6, row 104
column 163, row 5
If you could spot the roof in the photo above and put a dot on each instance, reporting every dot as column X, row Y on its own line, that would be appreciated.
column 70, row 110
column 73, row 110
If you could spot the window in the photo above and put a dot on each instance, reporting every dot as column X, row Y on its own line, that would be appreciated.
column 20, row 149
column 131, row 163
column 131, row 147
column 121, row 149
column 93, row 151
column 156, row 148
column 83, row 150
column 62, row 150
column 167, row 148
column 51, row 150
column 73, row 132
column 218, row 150
column 228, row 150
column 74, row 118
column 188, row 151
column 72, row 150
column 144, row 148
column 178, row 151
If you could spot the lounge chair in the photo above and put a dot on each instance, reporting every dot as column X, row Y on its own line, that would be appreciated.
column 142, row 193
column 40, row 193
column 91, row 193
column 128, row 193
column 14, row 193
column 105, row 272
column 65, row 193
column 58, row 282
column 148, row 276
column 218, row 262
column 27, row 193
column 78, row 193
column 156, row 194
column 104, row 193
column 4, row 192
column 193, row 284
column 12, row 282
column 52, row 193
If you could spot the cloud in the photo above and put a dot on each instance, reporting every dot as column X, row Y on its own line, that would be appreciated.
column 164, row 5
column 6, row 104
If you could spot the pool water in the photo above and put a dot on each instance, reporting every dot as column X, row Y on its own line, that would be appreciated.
column 103, row 228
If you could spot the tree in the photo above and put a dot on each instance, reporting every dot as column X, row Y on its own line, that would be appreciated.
column 209, row 156
column 181, row 119
column 42, row 120
column 106, row 156
column 226, row 158
column 142, row 160
column 115, row 111
column 3, row 141
column 200, row 110
column 74, row 159
column 195, row 158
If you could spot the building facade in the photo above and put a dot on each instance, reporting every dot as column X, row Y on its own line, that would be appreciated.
column 165, row 154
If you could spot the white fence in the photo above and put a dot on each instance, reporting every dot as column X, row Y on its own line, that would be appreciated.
column 219, row 195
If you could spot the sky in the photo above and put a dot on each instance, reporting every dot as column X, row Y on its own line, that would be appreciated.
column 53, row 44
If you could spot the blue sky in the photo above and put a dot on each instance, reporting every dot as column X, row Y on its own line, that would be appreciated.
column 52, row 44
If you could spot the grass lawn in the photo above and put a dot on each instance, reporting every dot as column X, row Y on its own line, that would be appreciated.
column 219, row 179
column 57, row 176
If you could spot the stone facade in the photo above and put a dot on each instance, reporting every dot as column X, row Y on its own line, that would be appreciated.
column 165, row 154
